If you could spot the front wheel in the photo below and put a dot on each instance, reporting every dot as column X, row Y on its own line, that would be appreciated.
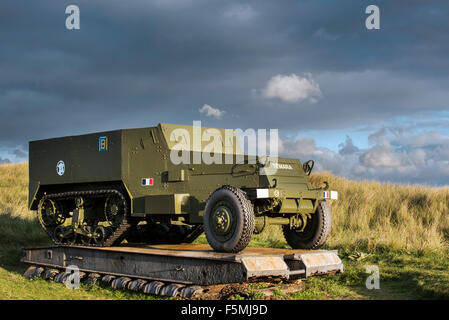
column 316, row 231
column 228, row 220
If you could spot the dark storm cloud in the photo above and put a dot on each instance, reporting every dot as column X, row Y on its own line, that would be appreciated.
column 138, row 63
column 19, row 153
column 3, row 161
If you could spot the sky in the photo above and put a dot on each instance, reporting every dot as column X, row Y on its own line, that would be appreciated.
column 364, row 104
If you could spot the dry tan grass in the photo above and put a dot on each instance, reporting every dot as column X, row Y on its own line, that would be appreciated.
column 371, row 214
column 18, row 226
column 14, row 190
column 367, row 215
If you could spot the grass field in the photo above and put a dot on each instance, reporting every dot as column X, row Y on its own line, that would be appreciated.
column 404, row 230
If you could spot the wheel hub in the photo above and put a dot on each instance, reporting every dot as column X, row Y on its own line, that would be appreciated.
column 222, row 220
column 114, row 210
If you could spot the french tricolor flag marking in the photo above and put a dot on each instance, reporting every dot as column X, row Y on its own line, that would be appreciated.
column 333, row 195
column 147, row 181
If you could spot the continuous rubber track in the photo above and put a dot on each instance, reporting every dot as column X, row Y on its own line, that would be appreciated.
column 119, row 231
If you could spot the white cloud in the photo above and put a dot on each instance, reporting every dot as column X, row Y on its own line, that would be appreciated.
column 425, row 139
column 383, row 156
column 390, row 158
column 292, row 88
column 379, row 137
column 301, row 146
column 211, row 112
column 418, row 156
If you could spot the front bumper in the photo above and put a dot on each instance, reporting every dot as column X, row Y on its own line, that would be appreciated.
column 266, row 193
column 290, row 201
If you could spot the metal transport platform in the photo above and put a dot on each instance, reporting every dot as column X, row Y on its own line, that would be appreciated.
column 180, row 265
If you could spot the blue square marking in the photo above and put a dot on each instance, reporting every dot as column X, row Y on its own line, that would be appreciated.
column 103, row 143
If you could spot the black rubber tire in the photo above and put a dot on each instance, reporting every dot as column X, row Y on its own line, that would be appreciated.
column 243, row 217
column 316, row 232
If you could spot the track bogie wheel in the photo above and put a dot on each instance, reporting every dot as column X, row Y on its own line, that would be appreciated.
column 63, row 234
column 58, row 234
column 85, row 239
column 99, row 235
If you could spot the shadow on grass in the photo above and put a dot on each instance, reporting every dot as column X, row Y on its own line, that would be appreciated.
column 16, row 234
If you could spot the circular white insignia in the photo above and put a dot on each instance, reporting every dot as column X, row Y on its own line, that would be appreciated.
column 60, row 167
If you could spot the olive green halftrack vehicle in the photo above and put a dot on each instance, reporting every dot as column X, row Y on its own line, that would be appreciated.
column 153, row 185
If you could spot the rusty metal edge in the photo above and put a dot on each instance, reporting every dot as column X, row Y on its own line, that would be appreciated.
column 216, row 256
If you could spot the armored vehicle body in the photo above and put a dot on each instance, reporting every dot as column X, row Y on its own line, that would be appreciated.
column 164, row 185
